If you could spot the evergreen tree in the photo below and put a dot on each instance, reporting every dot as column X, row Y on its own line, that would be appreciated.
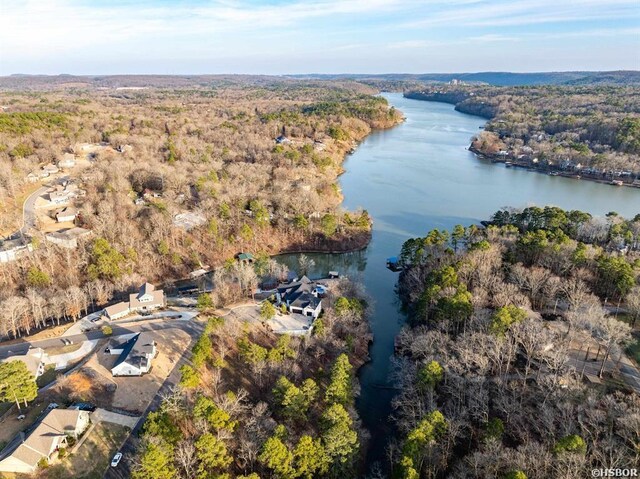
column 17, row 383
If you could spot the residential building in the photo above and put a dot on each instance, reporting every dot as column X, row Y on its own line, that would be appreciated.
column 67, row 214
column 11, row 250
column 67, row 238
column 146, row 299
column 135, row 354
column 25, row 452
column 118, row 310
column 68, row 161
column 301, row 297
column 50, row 169
column 34, row 359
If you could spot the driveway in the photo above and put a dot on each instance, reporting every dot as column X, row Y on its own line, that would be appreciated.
column 102, row 415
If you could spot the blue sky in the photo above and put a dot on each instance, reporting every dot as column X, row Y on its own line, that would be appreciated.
column 317, row 36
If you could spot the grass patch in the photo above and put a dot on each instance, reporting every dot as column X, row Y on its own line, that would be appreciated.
column 50, row 374
column 68, row 348
column 633, row 350
column 93, row 457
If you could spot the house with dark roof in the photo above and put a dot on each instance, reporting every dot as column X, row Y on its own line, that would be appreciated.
column 25, row 452
column 135, row 354
column 300, row 297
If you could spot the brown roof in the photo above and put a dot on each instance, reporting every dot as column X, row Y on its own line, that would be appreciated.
column 45, row 437
column 117, row 308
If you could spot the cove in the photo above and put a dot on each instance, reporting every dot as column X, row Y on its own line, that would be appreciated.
column 418, row 176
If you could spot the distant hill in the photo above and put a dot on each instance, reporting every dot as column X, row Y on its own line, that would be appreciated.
column 383, row 81
column 505, row 78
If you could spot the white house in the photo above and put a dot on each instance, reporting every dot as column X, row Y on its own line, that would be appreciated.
column 34, row 359
column 68, row 161
column 66, row 214
column 146, row 299
column 135, row 355
column 67, row 238
column 50, row 169
column 24, row 452
column 11, row 250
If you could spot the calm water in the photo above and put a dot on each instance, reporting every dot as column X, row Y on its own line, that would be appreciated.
column 419, row 176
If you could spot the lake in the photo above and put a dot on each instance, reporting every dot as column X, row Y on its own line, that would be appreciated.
column 419, row 176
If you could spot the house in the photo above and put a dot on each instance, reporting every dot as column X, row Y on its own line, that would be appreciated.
column 11, row 250
column 147, row 298
column 68, row 161
column 25, row 452
column 50, row 169
column 67, row 238
column 135, row 355
column 118, row 310
column 300, row 297
column 66, row 214
column 60, row 195
column 34, row 359
column 32, row 177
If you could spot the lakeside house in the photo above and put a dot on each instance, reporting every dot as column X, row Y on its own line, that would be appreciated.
column 148, row 298
column 135, row 354
column 26, row 452
column 35, row 360
column 300, row 297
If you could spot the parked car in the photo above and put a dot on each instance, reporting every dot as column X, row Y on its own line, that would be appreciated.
column 21, row 417
column 83, row 406
column 53, row 405
column 116, row 459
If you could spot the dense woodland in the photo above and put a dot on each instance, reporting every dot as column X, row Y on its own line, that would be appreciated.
column 208, row 150
column 255, row 405
column 489, row 366
column 568, row 128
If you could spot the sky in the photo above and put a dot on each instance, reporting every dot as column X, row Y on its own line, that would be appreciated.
column 316, row 36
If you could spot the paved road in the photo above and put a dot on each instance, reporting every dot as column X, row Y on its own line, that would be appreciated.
column 130, row 447
column 29, row 210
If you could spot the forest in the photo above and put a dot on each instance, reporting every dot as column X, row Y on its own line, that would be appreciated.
column 205, row 151
column 592, row 130
column 509, row 366
column 252, row 404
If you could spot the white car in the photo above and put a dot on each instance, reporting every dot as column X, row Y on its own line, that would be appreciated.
column 116, row 459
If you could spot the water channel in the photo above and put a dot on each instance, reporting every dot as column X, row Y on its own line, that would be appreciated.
column 419, row 176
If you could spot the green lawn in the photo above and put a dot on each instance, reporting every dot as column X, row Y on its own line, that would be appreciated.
column 50, row 374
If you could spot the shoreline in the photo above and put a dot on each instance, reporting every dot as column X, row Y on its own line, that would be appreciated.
column 514, row 162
